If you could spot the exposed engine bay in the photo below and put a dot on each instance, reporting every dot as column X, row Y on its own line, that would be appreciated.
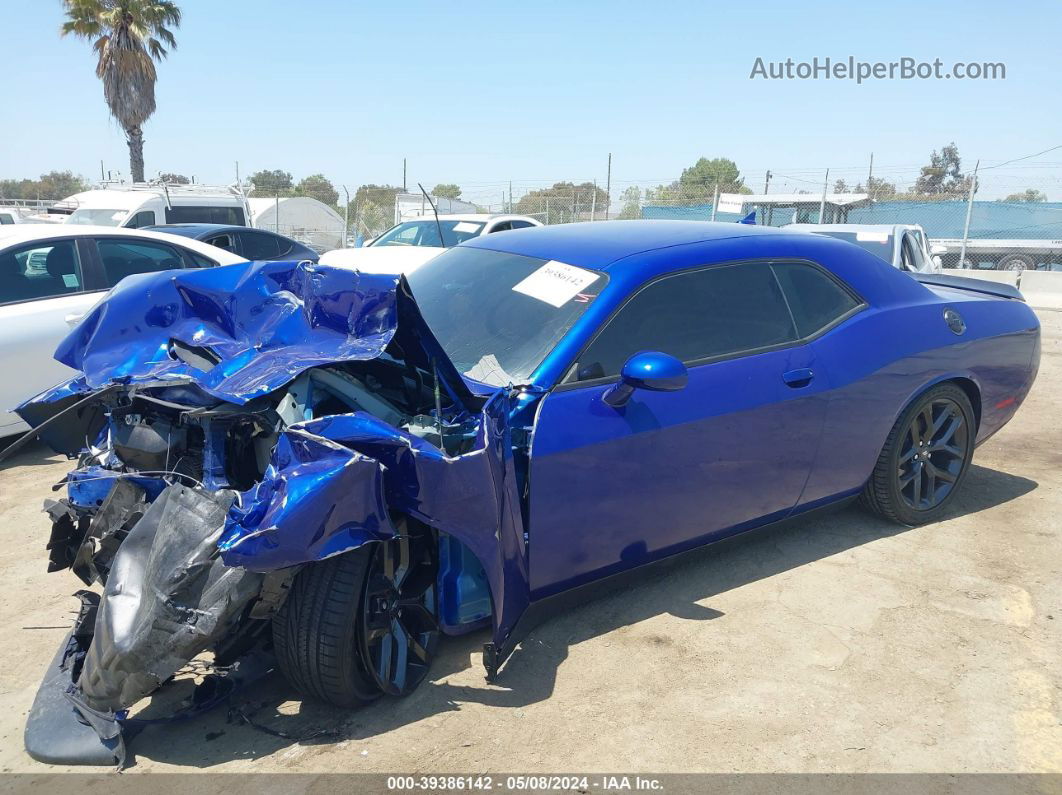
column 201, row 490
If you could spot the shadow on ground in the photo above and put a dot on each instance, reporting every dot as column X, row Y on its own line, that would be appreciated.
column 530, row 674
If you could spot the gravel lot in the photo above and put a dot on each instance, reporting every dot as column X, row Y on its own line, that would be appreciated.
column 841, row 644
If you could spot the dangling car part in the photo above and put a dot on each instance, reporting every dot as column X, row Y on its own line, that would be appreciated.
column 351, row 465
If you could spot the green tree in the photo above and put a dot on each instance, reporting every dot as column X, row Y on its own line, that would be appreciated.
column 943, row 176
column 632, row 203
column 563, row 202
column 316, row 186
column 174, row 179
column 128, row 37
column 271, row 183
column 840, row 186
column 381, row 196
column 705, row 175
column 877, row 188
column 1030, row 195
column 53, row 185
column 447, row 190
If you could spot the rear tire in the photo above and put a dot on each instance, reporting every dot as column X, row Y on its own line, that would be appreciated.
column 925, row 458
column 1017, row 263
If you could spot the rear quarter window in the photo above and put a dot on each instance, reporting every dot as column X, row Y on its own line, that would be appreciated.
column 815, row 298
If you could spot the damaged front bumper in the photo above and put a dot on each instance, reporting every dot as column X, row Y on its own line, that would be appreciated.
column 247, row 424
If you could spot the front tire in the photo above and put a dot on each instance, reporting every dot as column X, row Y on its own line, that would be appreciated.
column 362, row 623
column 925, row 458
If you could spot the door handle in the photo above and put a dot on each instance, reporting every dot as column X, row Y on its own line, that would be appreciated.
column 798, row 378
column 74, row 318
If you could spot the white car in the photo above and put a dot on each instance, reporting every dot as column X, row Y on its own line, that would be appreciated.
column 904, row 246
column 50, row 276
column 406, row 246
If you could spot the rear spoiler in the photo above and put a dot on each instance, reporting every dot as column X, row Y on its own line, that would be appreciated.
column 973, row 285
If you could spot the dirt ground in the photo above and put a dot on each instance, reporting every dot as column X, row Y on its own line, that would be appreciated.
column 843, row 644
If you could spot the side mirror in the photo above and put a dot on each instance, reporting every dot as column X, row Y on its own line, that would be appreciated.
column 652, row 370
column 937, row 250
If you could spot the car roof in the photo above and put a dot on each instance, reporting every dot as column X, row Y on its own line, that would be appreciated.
column 29, row 233
column 601, row 244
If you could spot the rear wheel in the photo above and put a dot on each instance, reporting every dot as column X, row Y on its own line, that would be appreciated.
column 925, row 458
column 362, row 623
column 1017, row 262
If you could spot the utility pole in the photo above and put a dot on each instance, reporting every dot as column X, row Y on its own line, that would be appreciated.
column 103, row 177
column 822, row 204
column 237, row 173
column 870, row 176
column 593, row 203
column 510, row 195
column 608, row 186
column 346, row 217
column 767, row 181
column 547, row 211
column 969, row 211
column 404, row 175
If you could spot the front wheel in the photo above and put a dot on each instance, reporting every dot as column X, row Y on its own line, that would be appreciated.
column 362, row 623
column 925, row 458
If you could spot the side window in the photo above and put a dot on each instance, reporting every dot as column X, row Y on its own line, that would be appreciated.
column 222, row 241
column 184, row 214
column 199, row 260
column 815, row 299
column 717, row 311
column 7, row 218
column 259, row 246
column 123, row 258
column 39, row 270
column 142, row 219
column 504, row 226
column 521, row 224
column 912, row 254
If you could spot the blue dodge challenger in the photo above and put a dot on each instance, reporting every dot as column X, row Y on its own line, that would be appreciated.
column 339, row 467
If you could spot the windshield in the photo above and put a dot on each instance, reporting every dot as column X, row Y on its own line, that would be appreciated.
column 877, row 243
column 97, row 217
column 426, row 233
column 498, row 315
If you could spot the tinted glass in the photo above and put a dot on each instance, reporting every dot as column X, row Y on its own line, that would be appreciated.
column 814, row 297
column 39, row 270
column 521, row 224
column 230, row 216
column 123, row 258
column 142, row 219
column 712, row 312
column 199, row 260
column 504, row 226
column 493, row 332
column 6, row 218
column 222, row 241
column 259, row 245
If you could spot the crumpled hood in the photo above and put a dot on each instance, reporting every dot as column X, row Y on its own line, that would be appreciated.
column 248, row 329
column 382, row 259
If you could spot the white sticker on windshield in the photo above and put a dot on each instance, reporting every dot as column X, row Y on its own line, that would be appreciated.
column 466, row 226
column 872, row 237
column 556, row 283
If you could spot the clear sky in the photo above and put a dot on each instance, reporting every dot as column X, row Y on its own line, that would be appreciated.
column 483, row 93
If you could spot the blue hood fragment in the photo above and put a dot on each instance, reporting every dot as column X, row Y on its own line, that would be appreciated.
column 250, row 328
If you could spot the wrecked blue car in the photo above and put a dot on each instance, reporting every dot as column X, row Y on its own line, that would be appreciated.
column 341, row 467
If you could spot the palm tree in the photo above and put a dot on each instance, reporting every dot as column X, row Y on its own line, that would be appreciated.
column 128, row 36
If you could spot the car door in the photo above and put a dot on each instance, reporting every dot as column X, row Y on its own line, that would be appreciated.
column 612, row 489
column 42, row 296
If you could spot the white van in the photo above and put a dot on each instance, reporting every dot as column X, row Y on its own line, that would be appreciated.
column 138, row 205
